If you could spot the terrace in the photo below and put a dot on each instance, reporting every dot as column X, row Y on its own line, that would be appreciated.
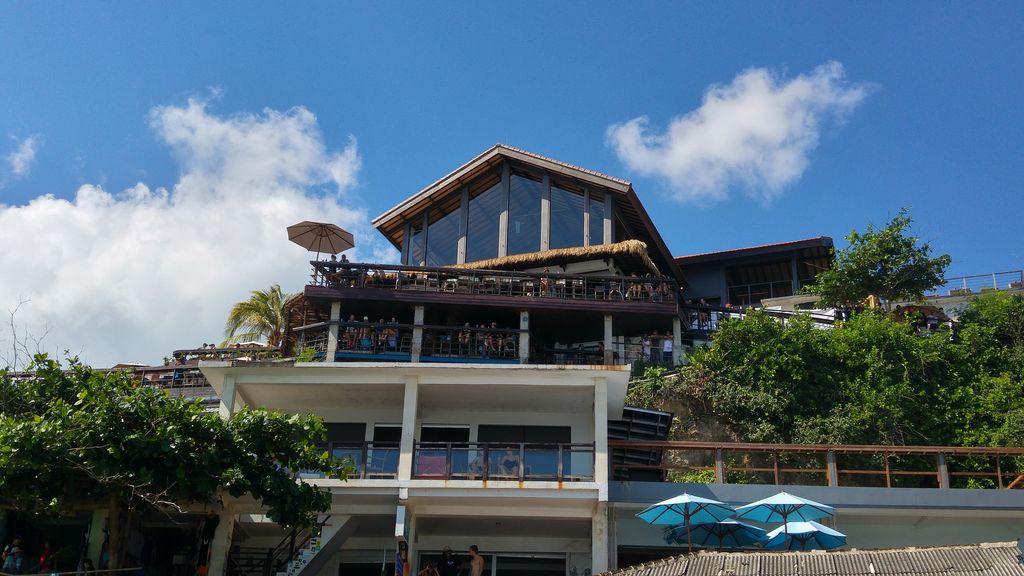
column 976, row 284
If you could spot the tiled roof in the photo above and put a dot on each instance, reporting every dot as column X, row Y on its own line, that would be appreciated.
column 1000, row 559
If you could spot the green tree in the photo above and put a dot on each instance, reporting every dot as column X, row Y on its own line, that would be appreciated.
column 884, row 262
column 73, row 437
column 263, row 315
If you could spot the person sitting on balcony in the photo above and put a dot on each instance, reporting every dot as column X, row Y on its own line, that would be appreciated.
column 380, row 333
column 334, row 258
column 344, row 259
column 391, row 332
column 496, row 341
column 463, row 337
column 476, row 466
column 510, row 462
column 649, row 286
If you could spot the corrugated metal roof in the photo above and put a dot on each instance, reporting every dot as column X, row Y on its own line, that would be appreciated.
column 736, row 252
column 999, row 559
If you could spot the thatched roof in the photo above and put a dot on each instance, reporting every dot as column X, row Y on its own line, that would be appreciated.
column 634, row 250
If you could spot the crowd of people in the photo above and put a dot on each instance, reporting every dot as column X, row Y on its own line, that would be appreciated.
column 367, row 335
column 15, row 559
column 486, row 340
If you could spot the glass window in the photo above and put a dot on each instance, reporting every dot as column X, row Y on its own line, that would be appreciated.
column 596, row 218
column 416, row 247
column 443, row 235
column 485, row 203
column 524, row 215
column 566, row 217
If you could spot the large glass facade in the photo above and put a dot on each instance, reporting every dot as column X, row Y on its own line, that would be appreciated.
column 416, row 245
column 485, row 204
column 566, row 217
column 524, row 215
column 443, row 233
column 596, row 218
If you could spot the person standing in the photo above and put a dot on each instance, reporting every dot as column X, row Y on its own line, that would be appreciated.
column 13, row 557
column 476, row 561
column 449, row 564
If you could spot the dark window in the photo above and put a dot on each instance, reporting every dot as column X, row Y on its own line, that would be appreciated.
column 596, row 218
column 444, row 434
column 517, row 434
column 524, row 215
column 443, row 233
column 566, row 217
column 486, row 201
column 345, row 432
column 383, row 433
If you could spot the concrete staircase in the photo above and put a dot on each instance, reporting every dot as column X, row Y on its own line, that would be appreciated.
column 314, row 555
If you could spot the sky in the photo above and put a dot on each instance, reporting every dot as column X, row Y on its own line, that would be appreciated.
column 152, row 154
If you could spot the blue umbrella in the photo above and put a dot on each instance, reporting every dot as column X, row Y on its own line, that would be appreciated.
column 805, row 536
column 782, row 508
column 687, row 510
column 724, row 534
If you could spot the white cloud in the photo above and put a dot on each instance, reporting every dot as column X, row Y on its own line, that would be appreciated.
column 20, row 160
column 132, row 275
column 755, row 133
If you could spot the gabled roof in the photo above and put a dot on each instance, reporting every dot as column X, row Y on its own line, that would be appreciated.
column 1000, row 559
column 818, row 241
column 634, row 214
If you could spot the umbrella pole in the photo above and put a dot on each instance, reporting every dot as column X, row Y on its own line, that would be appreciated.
column 689, row 536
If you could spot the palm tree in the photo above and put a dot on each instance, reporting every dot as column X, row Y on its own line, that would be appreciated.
column 263, row 315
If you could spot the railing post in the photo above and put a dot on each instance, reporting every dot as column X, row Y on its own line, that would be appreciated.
column 719, row 467
column 363, row 461
column 943, row 470
column 522, row 458
column 833, row 470
column 560, row 446
column 524, row 337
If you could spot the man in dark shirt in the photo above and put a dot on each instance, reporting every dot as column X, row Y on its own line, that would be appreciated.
column 449, row 563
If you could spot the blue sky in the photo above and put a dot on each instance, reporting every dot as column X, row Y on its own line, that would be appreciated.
column 98, row 96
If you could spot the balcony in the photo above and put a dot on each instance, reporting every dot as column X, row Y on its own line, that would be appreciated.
column 370, row 460
column 523, row 462
column 492, row 287
column 825, row 465
column 967, row 285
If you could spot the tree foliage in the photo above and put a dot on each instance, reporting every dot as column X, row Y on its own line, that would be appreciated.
column 871, row 380
column 884, row 262
column 263, row 315
column 73, row 437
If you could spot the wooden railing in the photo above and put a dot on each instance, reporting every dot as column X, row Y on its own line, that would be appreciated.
column 657, row 289
column 833, row 465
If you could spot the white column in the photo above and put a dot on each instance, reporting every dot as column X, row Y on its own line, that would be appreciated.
column 99, row 521
column 227, row 397
column 409, row 413
column 332, row 331
column 524, row 337
column 677, row 341
column 601, row 437
column 608, row 341
column 599, row 539
column 417, row 334
column 220, row 547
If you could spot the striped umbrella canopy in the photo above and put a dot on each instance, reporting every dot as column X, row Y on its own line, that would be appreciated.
column 320, row 237
column 724, row 534
column 805, row 536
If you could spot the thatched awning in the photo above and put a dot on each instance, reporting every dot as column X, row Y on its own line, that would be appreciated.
column 632, row 251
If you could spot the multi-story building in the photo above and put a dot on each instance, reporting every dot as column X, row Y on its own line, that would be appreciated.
column 475, row 385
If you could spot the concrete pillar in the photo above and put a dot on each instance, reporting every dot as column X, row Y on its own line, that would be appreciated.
column 96, row 526
column 460, row 257
column 524, row 337
column 220, row 547
column 506, row 185
column 601, row 437
column 409, row 413
column 599, row 543
column 545, row 213
column 413, row 547
column 943, row 471
column 833, row 470
column 609, row 351
column 417, row 334
column 332, row 331
column 719, row 466
column 677, row 341
column 227, row 397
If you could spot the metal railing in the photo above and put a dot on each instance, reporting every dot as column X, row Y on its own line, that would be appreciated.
column 526, row 461
column 103, row 572
column 226, row 353
column 471, row 342
column 838, row 465
column 657, row 289
column 369, row 459
column 967, row 285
